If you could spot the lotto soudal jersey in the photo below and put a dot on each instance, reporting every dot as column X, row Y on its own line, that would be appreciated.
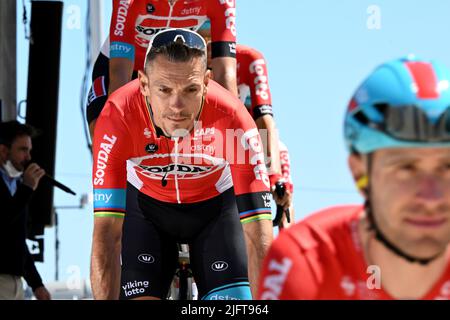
column 285, row 165
column 322, row 258
column 254, row 92
column 135, row 22
column 253, row 81
column 223, row 150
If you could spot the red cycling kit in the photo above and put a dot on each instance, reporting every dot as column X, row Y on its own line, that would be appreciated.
column 135, row 22
column 254, row 92
column 285, row 166
column 322, row 258
column 253, row 81
column 192, row 189
column 223, row 150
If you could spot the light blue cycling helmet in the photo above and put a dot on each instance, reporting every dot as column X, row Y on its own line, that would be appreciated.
column 403, row 103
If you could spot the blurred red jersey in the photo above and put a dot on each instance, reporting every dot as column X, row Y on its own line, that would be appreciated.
column 321, row 258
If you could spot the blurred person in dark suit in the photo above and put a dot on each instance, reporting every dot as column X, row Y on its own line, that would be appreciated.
column 19, row 177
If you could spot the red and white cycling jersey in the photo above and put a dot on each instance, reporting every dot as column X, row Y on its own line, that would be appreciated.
column 253, row 81
column 224, row 149
column 285, row 166
column 322, row 258
column 254, row 92
column 135, row 22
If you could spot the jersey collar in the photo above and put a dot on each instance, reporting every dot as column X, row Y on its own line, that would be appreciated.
column 159, row 132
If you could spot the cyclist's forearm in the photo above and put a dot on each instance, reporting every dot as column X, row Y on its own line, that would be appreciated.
column 105, row 275
column 105, row 268
column 269, row 137
column 120, row 73
column 117, row 81
column 224, row 70
column 258, row 237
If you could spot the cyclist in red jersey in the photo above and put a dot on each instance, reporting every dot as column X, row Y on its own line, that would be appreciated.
column 254, row 92
column 194, row 163
column 285, row 164
column 135, row 22
column 396, row 246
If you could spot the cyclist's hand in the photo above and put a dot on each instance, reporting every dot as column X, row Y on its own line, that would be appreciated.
column 285, row 201
column 32, row 175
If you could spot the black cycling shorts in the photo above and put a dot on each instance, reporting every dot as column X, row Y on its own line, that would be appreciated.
column 215, row 236
column 98, row 94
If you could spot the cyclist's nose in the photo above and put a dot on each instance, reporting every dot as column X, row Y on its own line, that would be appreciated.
column 176, row 102
column 431, row 190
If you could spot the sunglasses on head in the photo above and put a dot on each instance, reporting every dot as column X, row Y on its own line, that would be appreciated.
column 188, row 38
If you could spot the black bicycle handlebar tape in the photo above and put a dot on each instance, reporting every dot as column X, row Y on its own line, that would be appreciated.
column 288, row 215
column 279, row 215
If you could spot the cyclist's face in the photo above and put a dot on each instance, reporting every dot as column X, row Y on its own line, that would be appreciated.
column 410, row 195
column 175, row 91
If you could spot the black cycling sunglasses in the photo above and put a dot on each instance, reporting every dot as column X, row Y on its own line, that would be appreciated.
column 409, row 123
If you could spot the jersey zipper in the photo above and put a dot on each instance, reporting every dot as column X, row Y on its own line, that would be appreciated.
column 176, row 168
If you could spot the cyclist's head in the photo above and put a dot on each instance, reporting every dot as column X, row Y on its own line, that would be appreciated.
column 397, row 128
column 175, row 79
column 404, row 103
column 177, row 45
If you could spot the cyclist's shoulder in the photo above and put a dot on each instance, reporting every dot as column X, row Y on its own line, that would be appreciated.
column 216, row 6
column 250, row 62
column 127, row 11
column 247, row 51
column 334, row 215
column 127, row 99
column 325, row 227
column 122, row 9
column 222, row 102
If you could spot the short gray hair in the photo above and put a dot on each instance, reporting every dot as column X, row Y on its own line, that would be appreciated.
column 176, row 51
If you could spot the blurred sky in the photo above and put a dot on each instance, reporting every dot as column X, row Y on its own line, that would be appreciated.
column 317, row 53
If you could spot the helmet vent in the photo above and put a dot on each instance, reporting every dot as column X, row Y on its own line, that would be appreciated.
column 361, row 117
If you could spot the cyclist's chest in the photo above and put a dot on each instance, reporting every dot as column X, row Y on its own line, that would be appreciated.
column 198, row 151
column 204, row 145
column 150, row 17
column 187, row 158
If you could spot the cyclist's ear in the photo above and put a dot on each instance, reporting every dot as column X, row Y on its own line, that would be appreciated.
column 207, row 77
column 358, row 168
column 143, row 83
